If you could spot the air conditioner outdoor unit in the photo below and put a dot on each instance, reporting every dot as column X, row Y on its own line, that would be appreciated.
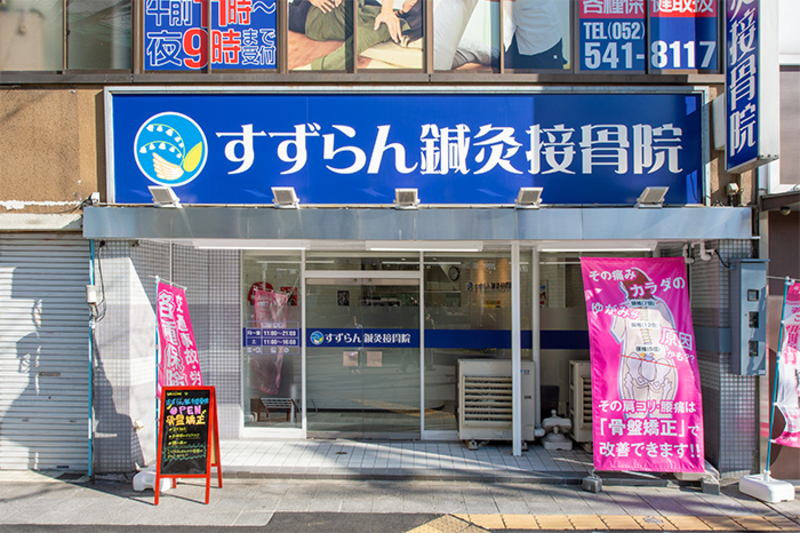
column 485, row 404
column 580, row 408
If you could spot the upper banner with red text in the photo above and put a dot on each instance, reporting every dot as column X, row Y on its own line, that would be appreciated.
column 243, row 34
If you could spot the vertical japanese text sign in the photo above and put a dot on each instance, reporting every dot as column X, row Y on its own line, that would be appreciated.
column 646, row 404
column 683, row 35
column 188, row 444
column 741, row 82
column 243, row 34
column 179, row 364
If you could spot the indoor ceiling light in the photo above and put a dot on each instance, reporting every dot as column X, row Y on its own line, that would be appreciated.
column 424, row 246
column 164, row 196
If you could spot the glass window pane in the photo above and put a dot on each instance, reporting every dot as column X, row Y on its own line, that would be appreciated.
column 398, row 42
column 271, row 357
column 320, row 35
column 31, row 35
column 467, row 316
column 536, row 34
column 466, row 34
column 99, row 34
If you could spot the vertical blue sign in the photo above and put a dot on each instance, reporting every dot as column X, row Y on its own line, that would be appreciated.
column 683, row 35
column 612, row 35
column 741, row 83
column 243, row 34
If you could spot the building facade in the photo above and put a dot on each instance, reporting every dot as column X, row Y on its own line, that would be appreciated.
column 409, row 240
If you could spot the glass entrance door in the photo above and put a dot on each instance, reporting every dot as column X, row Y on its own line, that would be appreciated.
column 363, row 357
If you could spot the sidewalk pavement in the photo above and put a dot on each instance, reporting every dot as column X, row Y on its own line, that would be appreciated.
column 31, row 498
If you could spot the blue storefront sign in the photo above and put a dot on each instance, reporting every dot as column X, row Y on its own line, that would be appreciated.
column 742, row 83
column 176, row 37
column 231, row 148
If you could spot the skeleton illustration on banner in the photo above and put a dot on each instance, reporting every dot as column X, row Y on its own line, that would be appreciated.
column 645, row 372
column 646, row 402
column 269, row 312
column 788, row 393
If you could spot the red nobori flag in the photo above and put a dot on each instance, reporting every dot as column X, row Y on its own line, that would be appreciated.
column 179, row 364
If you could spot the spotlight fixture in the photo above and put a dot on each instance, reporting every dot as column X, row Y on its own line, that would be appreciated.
column 529, row 197
column 406, row 198
column 652, row 197
column 164, row 196
column 285, row 197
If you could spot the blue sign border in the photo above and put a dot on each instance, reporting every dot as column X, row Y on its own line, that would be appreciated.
column 354, row 121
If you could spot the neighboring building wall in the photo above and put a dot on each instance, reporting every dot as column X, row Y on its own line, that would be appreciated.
column 124, row 376
column 729, row 400
column 51, row 148
column 125, row 342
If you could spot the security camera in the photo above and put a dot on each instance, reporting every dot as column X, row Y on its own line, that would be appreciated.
column 785, row 210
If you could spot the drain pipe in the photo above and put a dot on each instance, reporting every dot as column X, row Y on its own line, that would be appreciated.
column 92, row 301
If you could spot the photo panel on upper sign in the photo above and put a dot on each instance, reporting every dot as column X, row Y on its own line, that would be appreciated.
column 389, row 34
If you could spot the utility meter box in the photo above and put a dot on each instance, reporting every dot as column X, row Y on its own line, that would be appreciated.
column 748, row 317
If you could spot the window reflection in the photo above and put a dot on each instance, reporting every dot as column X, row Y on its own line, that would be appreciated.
column 321, row 34
column 533, row 34
column 99, row 34
column 31, row 35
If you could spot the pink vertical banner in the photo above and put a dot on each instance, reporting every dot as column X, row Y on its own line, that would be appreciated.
column 647, row 411
column 787, row 397
column 179, row 364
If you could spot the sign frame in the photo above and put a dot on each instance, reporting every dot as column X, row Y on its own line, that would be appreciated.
column 697, row 196
column 212, row 454
column 766, row 129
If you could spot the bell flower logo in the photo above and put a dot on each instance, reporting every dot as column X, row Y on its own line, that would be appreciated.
column 170, row 149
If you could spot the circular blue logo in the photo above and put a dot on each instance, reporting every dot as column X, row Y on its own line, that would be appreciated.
column 317, row 338
column 170, row 149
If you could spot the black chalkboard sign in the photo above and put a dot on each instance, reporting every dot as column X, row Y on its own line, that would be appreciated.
column 188, row 436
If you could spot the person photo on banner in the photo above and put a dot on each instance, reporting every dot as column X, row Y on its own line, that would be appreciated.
column 788, row 394
column 269, row 311
column 645, row 372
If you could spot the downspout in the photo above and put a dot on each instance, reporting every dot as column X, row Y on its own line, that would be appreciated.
column 91, row 363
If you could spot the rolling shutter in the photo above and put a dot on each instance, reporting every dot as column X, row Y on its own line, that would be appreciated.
column 44, row 335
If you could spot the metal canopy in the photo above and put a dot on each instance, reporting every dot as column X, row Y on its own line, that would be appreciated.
column 220, row 224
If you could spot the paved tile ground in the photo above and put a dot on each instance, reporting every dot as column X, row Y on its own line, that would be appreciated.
column 30, row 498
column 468, row 491
column 342, row 458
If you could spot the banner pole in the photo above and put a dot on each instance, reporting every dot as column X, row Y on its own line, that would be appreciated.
column 786, row 284
column 156, row 358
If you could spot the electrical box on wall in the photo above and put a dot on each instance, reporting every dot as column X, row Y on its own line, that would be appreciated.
column 748, row 317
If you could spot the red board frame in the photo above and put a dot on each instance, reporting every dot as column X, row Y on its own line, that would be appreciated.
column 212, row 444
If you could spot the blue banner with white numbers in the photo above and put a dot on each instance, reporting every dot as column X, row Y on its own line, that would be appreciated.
column 229, row 148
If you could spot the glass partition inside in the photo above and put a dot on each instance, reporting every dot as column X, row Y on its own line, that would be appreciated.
column 271, row 352
column 467, row 316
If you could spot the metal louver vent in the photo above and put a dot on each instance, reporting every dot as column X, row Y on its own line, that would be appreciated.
column 587, row 400
column 580, row 384
column 487, row 401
